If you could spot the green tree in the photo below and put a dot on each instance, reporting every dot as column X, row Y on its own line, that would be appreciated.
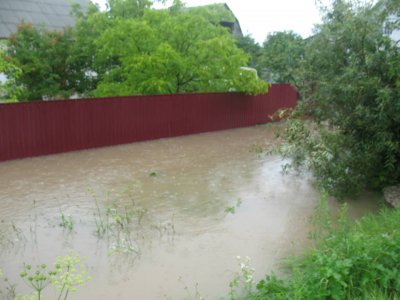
column 10, row 90
column 172, row 51
column 85, row 69
column 42, row 57
column 282, row 53
column 128, row 8
column 350, row 86
column 249, row 45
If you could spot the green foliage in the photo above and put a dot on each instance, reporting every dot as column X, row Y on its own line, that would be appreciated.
column 175, row 51
column 214, row 13
column 153, row 174
column 85, row 72
column 232, row 209
column 118, row 221
column 69, row 272
column 349, row 82
column 128, row 8
column 241, row 286
column 10, row 90
column 249, row 45
column 66, row 221
column 42, row 56
column 37, row 278
column 257, row 149
column 349, row 261
column 281, row 55
column 130, row 49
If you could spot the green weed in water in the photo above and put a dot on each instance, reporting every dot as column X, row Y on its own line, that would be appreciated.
column 66, row 222
column 242, row 284
column 37, row 278
column 232, row 209
column 257, row 149
column 153, row 174
column 117, row 220
column 67, row 274
column 9, row 291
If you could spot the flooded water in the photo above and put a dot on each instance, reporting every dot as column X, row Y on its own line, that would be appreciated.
column 176, row 213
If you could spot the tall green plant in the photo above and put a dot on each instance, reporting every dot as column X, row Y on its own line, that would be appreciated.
column 67, row 274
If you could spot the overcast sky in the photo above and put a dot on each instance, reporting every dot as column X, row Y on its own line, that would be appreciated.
column 260, row 17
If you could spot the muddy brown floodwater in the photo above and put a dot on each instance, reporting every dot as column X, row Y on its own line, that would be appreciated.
column 194, row 203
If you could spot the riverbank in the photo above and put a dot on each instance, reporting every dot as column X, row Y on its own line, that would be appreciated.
column 358, row 260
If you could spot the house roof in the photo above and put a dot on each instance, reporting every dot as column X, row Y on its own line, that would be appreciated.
column 52, row 14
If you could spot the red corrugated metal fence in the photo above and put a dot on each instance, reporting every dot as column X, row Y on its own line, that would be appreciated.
column 32, row 129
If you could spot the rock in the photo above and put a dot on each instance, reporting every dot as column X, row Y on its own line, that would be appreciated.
column 392, row 195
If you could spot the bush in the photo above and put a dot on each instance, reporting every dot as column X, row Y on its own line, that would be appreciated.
column 359, row 261
column 350, row 88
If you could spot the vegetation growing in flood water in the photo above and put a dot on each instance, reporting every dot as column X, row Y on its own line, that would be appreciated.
column 66, row 275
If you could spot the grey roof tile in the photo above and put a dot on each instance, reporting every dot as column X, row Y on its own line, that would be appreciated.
column 4, row 5
column 17, row 6
column 61, row 10
column 11, row 28
column 23, row 17
column 8, row 16
column 46, row 9
column 30, row 6
column 39, row 18
column 53, row 14
column 4, row 31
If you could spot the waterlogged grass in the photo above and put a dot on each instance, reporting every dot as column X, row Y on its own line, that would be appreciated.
column 66, row 222
column 348, row 261
column 118, row 220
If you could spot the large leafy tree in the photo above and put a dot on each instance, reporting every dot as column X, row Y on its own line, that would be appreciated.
column 350, row 85
column 42, row 56
column 250, row 46
column 172, row 51
column 281, row 55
